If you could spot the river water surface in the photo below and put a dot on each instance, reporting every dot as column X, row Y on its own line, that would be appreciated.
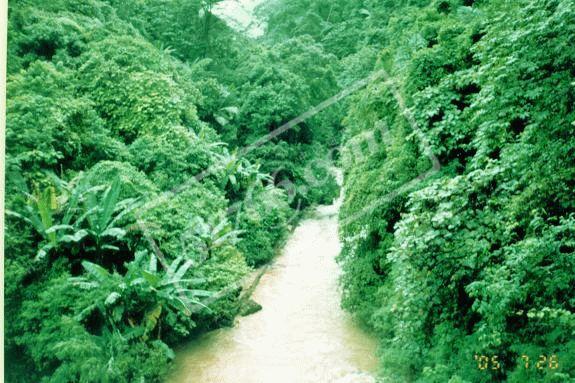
column 301, row 335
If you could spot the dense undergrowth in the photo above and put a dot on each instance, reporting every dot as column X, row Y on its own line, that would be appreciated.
column 467, row 273
column 132, row 218
column 131, row 206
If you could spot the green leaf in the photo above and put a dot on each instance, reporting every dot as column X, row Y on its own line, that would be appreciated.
column 168, row 352
column 109, row 203
column 96, row 271
column 114, row 232
column 43, row 251
column 76, row 237
column 110, row 247
column 231, row 109
column 151, row 318
column 221, row 120
column 182, row 271
column 173, row 267
column 198, row 293
column 152, row 279
column 153, row 267
column 112, row 298
column 55, row 228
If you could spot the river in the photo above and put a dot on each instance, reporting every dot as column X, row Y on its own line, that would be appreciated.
column 301, row 335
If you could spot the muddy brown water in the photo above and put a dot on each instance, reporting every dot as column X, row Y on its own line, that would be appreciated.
column 301, row 335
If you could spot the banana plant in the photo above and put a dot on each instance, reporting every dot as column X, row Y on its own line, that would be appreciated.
column 83, row 212
column 230, row 164
column 50, row 218
column 170, row 289
column 172, row 285
column 101, row 214
column 212, row 237
column 235, row 166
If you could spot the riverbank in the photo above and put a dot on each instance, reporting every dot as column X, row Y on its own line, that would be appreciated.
column 301, row 334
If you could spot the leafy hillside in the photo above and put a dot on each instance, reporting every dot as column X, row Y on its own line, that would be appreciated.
column 475, row 262
column 470, row 271
column 131, row 216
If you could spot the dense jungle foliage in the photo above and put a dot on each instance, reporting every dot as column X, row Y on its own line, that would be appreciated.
column 132, row 217
column 476, row 261
column 139, row 195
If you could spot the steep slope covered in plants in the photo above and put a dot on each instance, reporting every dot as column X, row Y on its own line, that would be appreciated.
column 131, row 216
column 478, row 259
column 475, row 263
